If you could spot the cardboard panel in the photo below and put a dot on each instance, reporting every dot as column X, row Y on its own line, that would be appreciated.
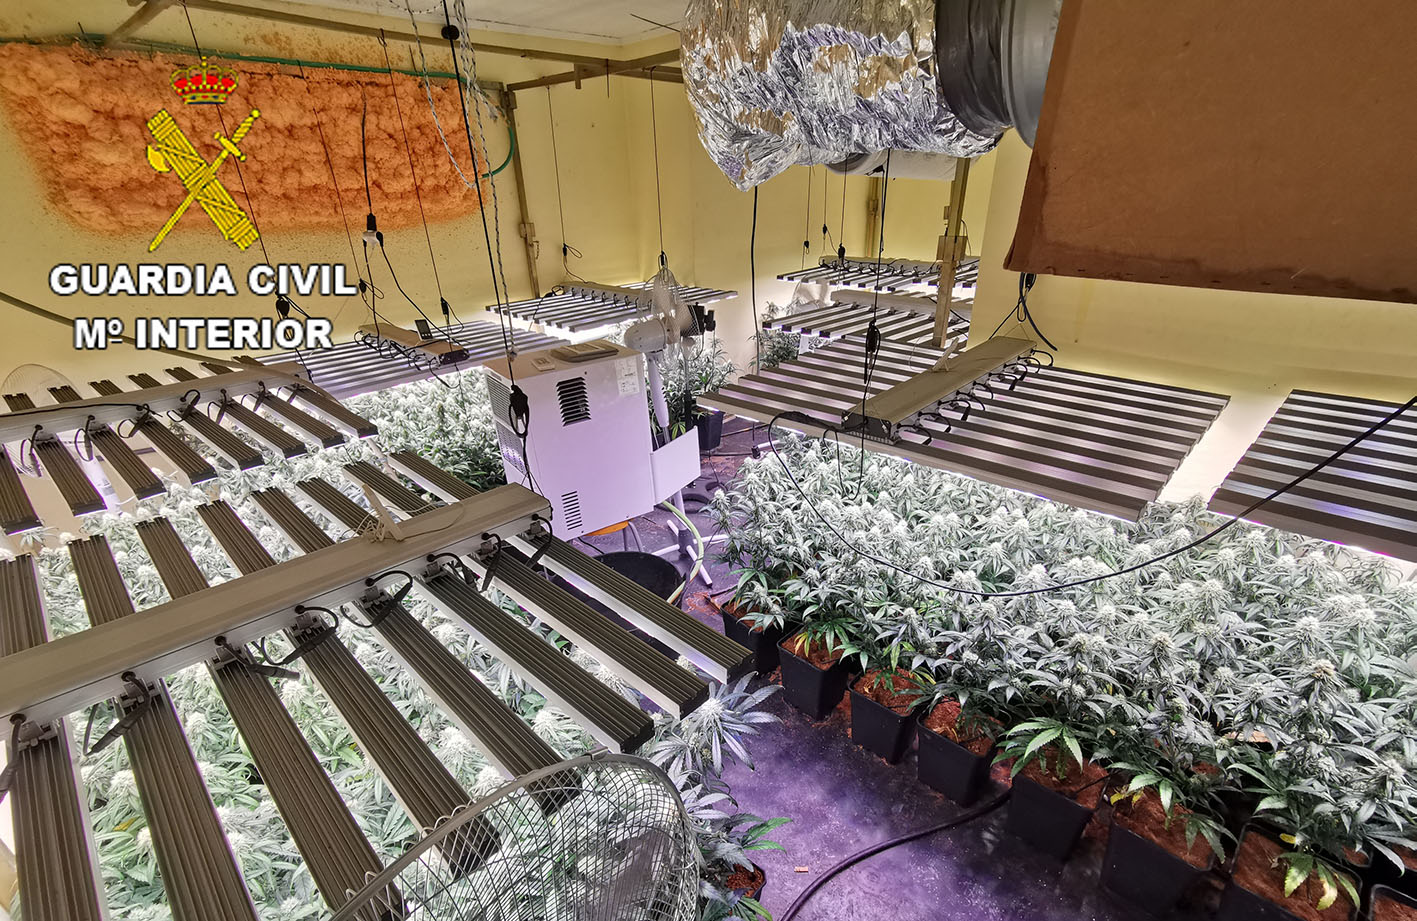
column 1261, row 146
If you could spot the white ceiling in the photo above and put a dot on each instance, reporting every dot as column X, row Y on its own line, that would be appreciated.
column 601, row 21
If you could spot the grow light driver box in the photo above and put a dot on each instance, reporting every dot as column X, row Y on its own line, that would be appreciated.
column 588, row 447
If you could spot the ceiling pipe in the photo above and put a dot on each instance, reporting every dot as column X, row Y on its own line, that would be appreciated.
column 143, row 16
column 335, row 25
column 650, row 67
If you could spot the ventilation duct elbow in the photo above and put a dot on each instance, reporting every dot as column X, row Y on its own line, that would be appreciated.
column 780, row 83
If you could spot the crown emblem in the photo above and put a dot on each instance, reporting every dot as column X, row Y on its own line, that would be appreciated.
column 204, row 84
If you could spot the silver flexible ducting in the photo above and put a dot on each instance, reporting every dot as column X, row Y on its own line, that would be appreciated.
column 779, row 83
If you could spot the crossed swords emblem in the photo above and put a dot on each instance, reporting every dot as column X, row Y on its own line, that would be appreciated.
column 173, row 152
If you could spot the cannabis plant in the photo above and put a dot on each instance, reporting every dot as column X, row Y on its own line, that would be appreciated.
column 1257, row 660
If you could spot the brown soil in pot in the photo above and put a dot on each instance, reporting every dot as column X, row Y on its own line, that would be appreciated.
column 1257, row 871
column 747, row 879
column 1409, row 859
column 817, row 652
column 944, row 719
column 1147, row 818
column 1083, row 787
column 892, row 694
column 738, row 614
column 1388, row 910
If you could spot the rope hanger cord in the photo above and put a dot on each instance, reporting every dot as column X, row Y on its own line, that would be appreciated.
column 807, row 218
column 281, row 300
column 566, row 248
column 658, row 195
column 365, row 287
column 413, row 172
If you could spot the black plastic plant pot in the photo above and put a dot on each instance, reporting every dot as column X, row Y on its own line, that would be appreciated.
column 1384, row 896
column 1240, row 904
column 763, row 642
column 1049, row 821
column 1385, row 875
column 756, row 894
column 815, row 691
column 949, row 768
column 879, row 729
column 710, row 426
column 1144, row 873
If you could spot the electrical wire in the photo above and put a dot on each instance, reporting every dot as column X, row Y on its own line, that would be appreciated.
column 807, row 219
column 1190, row 545
column 816, row 884
column 753, row 283
column 1021, row 314
column 451, row 33
column 872, row 351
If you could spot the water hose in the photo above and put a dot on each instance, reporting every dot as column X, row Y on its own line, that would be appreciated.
column 698, row 545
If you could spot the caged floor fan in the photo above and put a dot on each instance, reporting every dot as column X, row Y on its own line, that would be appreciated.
column 603, row 837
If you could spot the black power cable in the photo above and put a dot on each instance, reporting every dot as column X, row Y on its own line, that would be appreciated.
column 753, row 284
column 802, row 417
column 1021, row 314
column 812, row 887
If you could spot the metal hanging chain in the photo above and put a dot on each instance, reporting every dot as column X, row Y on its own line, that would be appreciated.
column 417, row 194
column 465, row 47
column 452, row 34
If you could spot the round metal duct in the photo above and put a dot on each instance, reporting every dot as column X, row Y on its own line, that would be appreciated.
column 779, row 83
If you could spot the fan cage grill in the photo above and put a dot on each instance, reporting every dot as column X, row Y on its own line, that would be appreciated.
column 603, row 837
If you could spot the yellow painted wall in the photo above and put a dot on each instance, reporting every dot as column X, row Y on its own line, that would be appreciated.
column 708, row 222
column 591, row 129
column 607, row 193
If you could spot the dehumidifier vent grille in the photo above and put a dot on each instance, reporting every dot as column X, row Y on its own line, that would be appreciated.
column 511, row 447
column 500, row 397
column 571, row 510
column 575, row 402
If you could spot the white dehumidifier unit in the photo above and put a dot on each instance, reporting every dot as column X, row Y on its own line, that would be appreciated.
column 588, row 444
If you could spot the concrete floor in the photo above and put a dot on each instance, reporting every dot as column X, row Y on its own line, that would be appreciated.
column 842, row 799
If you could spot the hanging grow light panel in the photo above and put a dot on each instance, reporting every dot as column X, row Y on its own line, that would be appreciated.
column 1102, row 443
column 1368, row 497
column 353, row 368
column 77, row 441
column 908, row 319
column 408, row 539
column 900, row 275
column 586, row 311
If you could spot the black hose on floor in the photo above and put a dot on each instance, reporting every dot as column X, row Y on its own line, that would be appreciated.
column 875, row 849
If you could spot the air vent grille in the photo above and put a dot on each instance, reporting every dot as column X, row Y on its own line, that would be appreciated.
column 511, row 449
column 500, row 397
column 575, row 403
column 571, row 510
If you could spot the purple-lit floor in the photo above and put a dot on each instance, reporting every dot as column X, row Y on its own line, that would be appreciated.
column 842, row 799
